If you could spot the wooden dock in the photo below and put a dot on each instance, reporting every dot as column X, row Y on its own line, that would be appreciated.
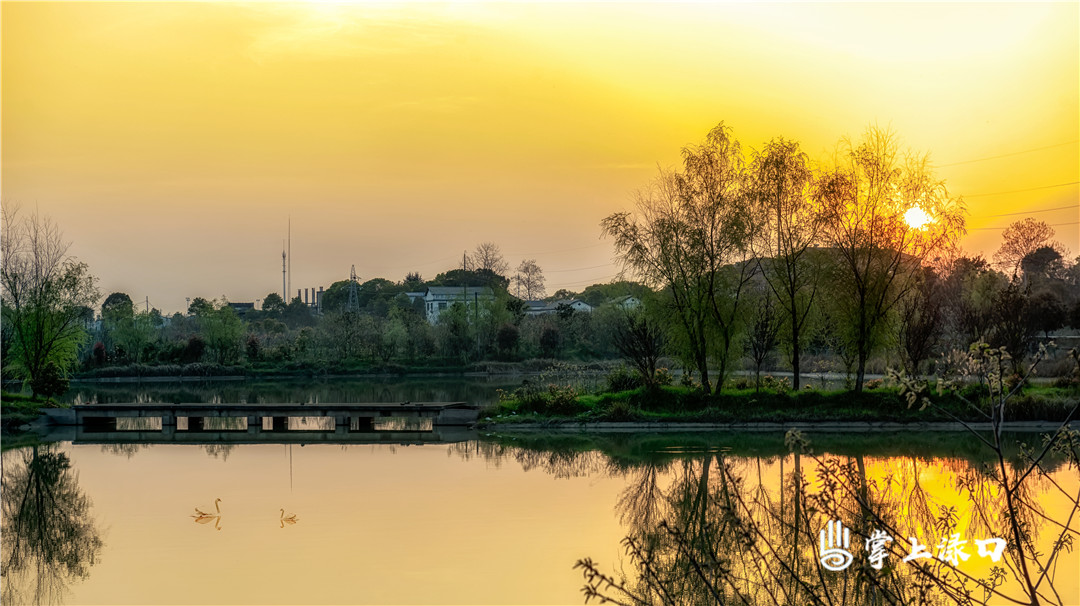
column 368, row 417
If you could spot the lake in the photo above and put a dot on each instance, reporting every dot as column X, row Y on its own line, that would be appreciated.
column 502, row 518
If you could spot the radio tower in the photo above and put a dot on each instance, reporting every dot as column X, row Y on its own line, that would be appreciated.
column 354, row 295
column 284, row 292
column 290, row 260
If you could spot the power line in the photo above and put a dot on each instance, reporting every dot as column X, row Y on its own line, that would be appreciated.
column 1031, row 212
column 1026, row 151
column 1001, row 228
column 599, row 280
column 1016, row 191
column 558, row 271
column 549, row 252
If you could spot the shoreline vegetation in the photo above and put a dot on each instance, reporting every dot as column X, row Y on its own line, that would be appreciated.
column 555, row 406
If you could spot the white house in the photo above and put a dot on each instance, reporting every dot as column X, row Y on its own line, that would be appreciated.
column 438, row 298
column 541, row 308
column 627, row 302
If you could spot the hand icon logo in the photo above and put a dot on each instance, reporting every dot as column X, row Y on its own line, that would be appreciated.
column 834, row 546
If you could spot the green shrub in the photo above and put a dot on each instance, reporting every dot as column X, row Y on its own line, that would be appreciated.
column 623, row 379
column 779, row 385
column 620, row 410
column 742, row 383
column 49, row 382
column 548, row 399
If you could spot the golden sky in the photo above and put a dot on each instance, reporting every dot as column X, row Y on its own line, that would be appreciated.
column 172, row 142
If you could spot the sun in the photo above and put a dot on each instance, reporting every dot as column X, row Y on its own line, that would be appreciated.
column 917, row 218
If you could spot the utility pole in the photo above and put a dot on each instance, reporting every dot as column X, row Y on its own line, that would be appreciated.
column 464, row 282
column 290, row 258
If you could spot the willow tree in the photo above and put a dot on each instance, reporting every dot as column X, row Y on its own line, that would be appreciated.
column 690, row 239
column 885, row 216
column 790, row 228
column 45, row 297
column 654, row 245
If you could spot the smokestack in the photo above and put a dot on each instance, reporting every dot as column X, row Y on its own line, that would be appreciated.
column 305, row 297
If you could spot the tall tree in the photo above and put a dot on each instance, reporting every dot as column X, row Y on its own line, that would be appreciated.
column 1019, row 240
column 488, row 256
column 690, row 239
column 529, row 280
column 656, row 245
column 715, row 184
column 866, row 202
column 222, row 330
column 117, row 301
column 1043, row 263
column 641, row 342
column 43, row 295
column 790, row 228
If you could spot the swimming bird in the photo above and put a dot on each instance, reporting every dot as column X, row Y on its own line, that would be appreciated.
column 200, row 513
column 288, row 519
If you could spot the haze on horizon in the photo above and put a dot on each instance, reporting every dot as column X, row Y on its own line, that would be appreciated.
column 172, row 142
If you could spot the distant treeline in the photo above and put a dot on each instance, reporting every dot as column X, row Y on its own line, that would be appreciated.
column 755, row 261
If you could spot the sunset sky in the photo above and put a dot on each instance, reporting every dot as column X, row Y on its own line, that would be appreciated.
column 172, row 142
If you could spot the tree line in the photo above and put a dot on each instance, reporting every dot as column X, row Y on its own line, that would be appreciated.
column 752, row 253
column 757, row 260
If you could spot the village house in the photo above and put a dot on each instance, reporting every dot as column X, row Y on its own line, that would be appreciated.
column 438, row 298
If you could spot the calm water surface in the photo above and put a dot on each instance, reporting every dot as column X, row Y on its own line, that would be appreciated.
column 490, row 520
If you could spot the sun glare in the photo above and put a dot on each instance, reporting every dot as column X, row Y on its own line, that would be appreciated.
column 917, row 218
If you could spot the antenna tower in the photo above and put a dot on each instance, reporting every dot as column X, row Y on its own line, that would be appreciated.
column 354, row 292
column 290, row 260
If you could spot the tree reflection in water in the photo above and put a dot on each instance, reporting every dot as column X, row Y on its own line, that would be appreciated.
column 724, row 536
column 49, row 538
column 705, row 525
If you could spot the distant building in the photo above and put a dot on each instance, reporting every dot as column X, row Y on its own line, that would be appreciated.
column 242, row 309
column 543, row 308
column 438, row 298
column 537, row 308
column 575, row 304
column 627, row 302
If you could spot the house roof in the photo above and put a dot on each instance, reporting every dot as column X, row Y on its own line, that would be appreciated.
column 457, row 290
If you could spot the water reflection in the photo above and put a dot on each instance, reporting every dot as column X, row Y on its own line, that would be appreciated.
column 703, row 518
column 478, row 390
column 49, row 537
column 722, row 526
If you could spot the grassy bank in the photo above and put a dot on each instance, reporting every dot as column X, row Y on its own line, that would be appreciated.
column 16, row 410
column 630, row 450
column 683, row 404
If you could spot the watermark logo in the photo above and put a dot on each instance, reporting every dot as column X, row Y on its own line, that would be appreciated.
column 835, row 548
column 835, row 545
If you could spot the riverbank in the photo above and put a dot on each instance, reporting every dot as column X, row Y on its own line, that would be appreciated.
column 555, row 406
column 17, row 410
